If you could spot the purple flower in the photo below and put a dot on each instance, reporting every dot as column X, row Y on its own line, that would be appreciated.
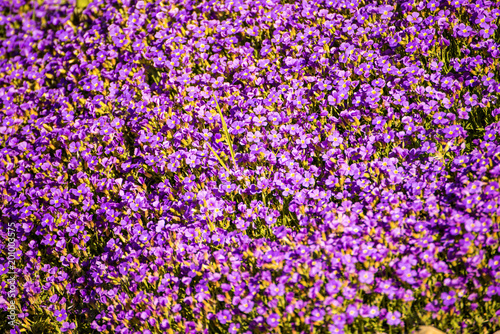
column 60, row 315
column 365, row 277
column 412, row 47
column 414, row 18
column 224, row 316
column 75, row 228
column 388, row 137
column 386, row 12
column 409, row 276
column 349, row 29
column 307, row 180
column 273, row 320
column 339, row 320
column 452, row 132
column 463, row 30
column 349, row 122
column 299, row 102
column 440, row 118
column 393, row 318
column 246, row 305
column 433, row 5
column 276, row 289
column 457, row 3
column 486, row 32
column 335, row 139
column 317, row 314
column 303, row 141
column 233, row 328
column 369, row 311
column 66, row 326
column 333, row 287
column 336, row 329
column 494, row 263
column 448, row 298
column 236, row 128
column 352, row 312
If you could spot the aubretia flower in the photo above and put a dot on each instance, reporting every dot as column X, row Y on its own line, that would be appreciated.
column 470, row 99
column 412, row 47
column 385, row 11
column 349, row 29
column 494, row 263
column 414, row 18
column 66, row 326
column 303, row 141
column 388, row 137
column 237, row 128
column 305, row 181
column 228, row 187
column 452, row 131
column 276, row 290
column 433, row 5
column 378, row 122
column 448, row 298
column 60, row 315
column 440, row 118
column 463, row 30
column 487, row 32
column 393, row 318
column 299, row 102
column 325, row 85
column 333, row 287
column 333, row 99
column 75, row 228
column 317, row 314
column 365, row 277
column 273, row 320
column 335, row 139
column 409, row 276
column 233, row 328
column 348, row 136
column 337, row 329
column 369, row 311
column 246, row 306
column 352, row 312
column 260, row 121
column 224, row 316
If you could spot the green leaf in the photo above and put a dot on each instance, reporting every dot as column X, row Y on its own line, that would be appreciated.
column 82, row 3
column 218, row 158
column 226, row 132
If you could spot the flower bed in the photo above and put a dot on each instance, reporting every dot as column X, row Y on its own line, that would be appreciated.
column 249, row 166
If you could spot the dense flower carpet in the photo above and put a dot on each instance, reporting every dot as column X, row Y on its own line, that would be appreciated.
column 253, row 166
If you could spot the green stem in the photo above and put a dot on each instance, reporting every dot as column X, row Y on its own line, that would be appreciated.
column 226, row 132
column 218, row 158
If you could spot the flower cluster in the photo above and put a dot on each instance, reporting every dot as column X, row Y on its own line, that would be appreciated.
column 251, row 166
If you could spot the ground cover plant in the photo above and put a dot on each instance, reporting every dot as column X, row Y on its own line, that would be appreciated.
column 323, row 166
